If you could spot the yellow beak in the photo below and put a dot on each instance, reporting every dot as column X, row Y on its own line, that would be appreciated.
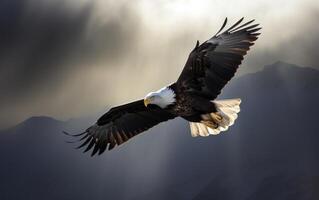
column 147, row 101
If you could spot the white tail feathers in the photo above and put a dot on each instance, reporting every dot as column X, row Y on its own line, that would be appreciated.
column 214, row 123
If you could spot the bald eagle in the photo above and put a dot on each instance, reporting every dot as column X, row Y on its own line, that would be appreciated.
column 209, row 67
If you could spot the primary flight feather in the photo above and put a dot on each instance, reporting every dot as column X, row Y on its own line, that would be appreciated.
column 209, row 67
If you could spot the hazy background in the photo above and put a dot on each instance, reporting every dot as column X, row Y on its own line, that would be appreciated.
column 68, row 61
column 72, row 58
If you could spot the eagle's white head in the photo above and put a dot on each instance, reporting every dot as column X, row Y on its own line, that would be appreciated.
column 162, row 98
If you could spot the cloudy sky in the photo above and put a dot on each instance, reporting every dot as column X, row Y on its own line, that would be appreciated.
column 74, row 58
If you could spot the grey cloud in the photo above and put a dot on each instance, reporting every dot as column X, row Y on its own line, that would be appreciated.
column 302, row 48
column 46, row 43
column 40, row 45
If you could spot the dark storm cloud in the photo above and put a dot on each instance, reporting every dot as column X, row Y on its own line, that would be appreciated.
column 41, row 44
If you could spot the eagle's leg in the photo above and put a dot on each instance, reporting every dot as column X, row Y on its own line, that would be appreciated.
column 212, row 120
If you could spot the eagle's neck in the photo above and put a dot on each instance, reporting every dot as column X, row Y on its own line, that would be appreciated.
column 167, row 95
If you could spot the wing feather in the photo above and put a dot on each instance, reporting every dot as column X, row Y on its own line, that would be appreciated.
column 213, row 63
column 221, row 28
column 120, row 124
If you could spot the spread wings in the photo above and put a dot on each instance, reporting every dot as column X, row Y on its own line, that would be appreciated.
column 212, row 64
column 120, row 124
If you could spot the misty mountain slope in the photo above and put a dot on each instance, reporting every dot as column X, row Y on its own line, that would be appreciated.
column 38, row 163
column 273, row 145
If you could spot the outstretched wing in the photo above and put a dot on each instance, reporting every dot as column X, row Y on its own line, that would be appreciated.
column 120, row 124
column 212, row 64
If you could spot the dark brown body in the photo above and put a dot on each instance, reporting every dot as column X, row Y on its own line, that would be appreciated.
column 190, row 106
